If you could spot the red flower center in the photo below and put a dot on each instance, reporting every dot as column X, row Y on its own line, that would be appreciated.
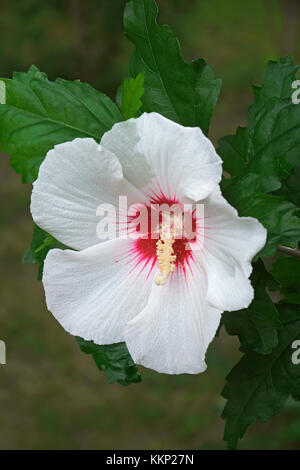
column 147, row 221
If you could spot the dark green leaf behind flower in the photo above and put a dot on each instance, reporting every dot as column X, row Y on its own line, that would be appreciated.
column 114, row 359
column 38, row 114
column 184, row 92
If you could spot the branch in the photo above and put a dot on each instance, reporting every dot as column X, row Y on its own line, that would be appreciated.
column 289, row 251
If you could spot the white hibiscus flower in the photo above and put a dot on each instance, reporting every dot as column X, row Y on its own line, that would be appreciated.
column 160, row 297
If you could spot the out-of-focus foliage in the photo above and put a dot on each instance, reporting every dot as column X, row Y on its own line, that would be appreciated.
column 71, row 38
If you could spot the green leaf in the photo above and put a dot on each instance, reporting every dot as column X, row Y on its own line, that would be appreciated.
column 259, row 385
column 132, row 91
column 114, row 359
column 233, row 150
column 41, row 243
column 257, row 325
column 184, row 92
column 286, row 271
column 48, row 240
column 270, row 145
column 39, row 114
column 277, row 82
column 278, row 216
column 290, row 188
column 274, row 139
column 239, row 190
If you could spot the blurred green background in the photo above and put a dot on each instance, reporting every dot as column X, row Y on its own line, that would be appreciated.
column 51, row 394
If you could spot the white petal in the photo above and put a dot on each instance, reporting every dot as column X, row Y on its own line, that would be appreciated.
column 74, row 179
column 94, row 292
column 230, row 243
column 172, row 333
column 181, row 160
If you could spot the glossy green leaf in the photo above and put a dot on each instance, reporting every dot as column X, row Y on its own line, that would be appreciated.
column 274, row 142
column 239, row 190
column 114, row 359
column 184, row 92
column 39, row 114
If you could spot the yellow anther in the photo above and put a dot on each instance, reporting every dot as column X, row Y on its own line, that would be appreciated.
column 165, row 254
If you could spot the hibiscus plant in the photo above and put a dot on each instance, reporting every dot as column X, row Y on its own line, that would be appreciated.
column 156, row 294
